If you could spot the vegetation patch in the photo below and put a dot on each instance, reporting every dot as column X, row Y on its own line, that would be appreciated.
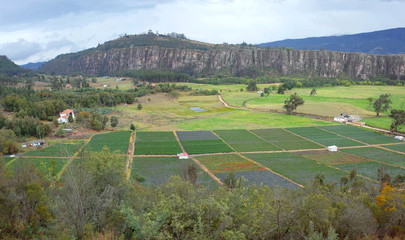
column 260, row 177
column 297, row 168
column 157, row 170
column 399, row 147
column 324, row 137
column 114, row 141
column 57, row 150
column 196, row 135
column 47, row 166
column 360, row 134
column 285, row 140
column 155, row 143
column 370, row 169
column 227, row 163
column 244, row 141
column 379, row 154
column 332, row 158
column 205, row 146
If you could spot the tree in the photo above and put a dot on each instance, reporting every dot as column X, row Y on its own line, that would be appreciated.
column 70, row 118
column 114, row 121
column 281, row 90
column 252, row 87
column 139, row 107
column 382, row 103
column 132, row 127
column 398, row 119
column 313, row 92
column 290, row 104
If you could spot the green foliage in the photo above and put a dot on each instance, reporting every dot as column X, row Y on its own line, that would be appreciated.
column 139, row 107
column 252, row 87
column 8, row 142
column 398, row 118
column 292, row 103
column 382, row 104
column 313, row 92
column 132, row 127
column 114, row 121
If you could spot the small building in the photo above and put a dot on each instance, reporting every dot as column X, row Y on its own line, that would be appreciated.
column 344, row 117
column 105, row 85
column 64, row 116
column 332, row 148
column 400, row 138
column 183, row 155
column 34, row 143
column 68, row 85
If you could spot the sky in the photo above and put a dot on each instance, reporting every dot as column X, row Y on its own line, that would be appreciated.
column 39, row 30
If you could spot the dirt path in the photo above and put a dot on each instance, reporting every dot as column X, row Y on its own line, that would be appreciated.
column 178, row 141
column 130, row 155
column 23, row 156
column 223, row 141
column 205, row 169
column 73, row 157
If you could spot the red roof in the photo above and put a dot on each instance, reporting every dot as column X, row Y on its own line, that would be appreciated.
column 183, row 154
column 67, row 112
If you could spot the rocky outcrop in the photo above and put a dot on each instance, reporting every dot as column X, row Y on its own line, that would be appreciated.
column 285, row 61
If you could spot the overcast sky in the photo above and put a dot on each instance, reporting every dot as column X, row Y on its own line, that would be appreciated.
column 39, row 30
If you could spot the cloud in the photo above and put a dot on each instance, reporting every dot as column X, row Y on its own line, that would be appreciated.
column 34, row 30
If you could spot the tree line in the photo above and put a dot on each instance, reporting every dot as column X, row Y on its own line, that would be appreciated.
column 93, row 200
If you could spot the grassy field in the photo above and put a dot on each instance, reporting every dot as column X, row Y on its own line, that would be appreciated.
column 243, row 119
column 48, row 166
column 156, row 143
column 157, row 170
column 115, row 141
column 245, row 141
column 370, row 169
column 285, row 140
column 57, row 150
column 227, row 163
column 361, row 134
column 323, row 137
column 329, row 101
column 382, row 122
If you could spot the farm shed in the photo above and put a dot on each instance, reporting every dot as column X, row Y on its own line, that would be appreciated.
column 400, row 138
column 183, row 155
column 332, row 148
column 33, row 143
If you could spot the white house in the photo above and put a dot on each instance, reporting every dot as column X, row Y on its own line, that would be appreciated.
column 64, row 116
column 332, row 148
column 183, row 155
column 400, row 138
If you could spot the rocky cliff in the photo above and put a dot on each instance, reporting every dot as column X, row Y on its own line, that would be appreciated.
column 285, row 61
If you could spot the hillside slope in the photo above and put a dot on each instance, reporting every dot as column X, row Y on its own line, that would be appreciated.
column 391, row 41
column 9, row 68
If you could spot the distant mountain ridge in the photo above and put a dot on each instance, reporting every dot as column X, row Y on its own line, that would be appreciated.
column 390, row 41
column 32, row 66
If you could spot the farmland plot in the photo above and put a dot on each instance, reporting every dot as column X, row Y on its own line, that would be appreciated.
column 158, row 170
column 296, row 168
column 44, row 165
column 196, row 142
column 359, row 134
column 323, row 137
column 227, row 163
column 244, row 141
column 379, row 155
column 398, row 147
column 114, row 141
column 285, row 140
column 370, row 169
column 156, row 143
column 58, row 150
column 260, row 177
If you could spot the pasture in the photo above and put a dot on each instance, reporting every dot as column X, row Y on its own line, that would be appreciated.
column 115, row 141
column 156, row 143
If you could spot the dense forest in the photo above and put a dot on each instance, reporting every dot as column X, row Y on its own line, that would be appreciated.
column 93, row 200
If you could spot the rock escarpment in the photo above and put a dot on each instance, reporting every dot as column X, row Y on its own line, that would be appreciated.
column 285, row 61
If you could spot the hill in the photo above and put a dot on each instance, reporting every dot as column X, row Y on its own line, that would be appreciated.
column 9, row 68
column 157, row 52
column 391, row 41
column 32, row 66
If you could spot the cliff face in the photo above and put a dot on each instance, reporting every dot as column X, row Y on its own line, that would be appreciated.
column 285, row 61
